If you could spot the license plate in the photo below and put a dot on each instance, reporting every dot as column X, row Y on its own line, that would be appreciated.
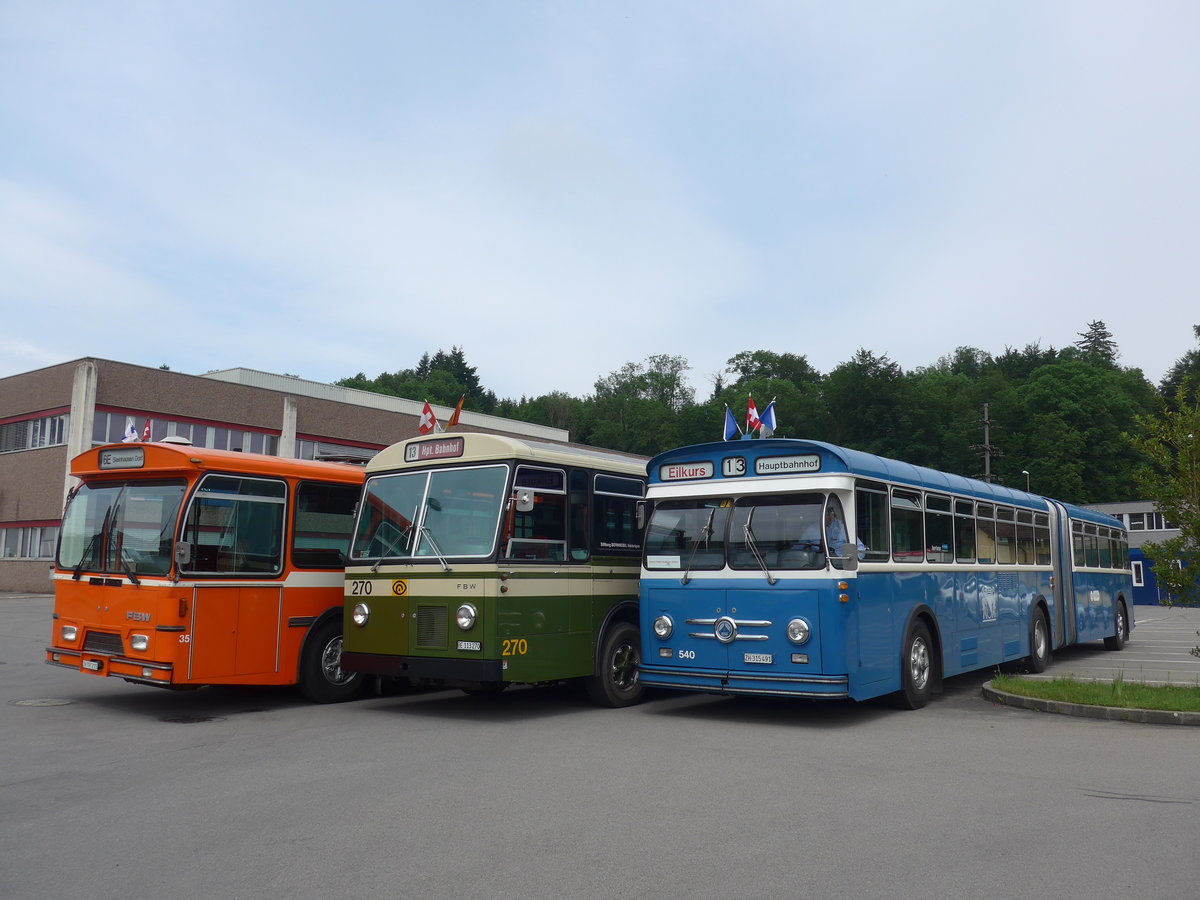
column 470, row 645
column 92, row 665
column 757, row 658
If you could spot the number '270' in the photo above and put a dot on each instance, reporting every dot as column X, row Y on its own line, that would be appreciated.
column 514, row 647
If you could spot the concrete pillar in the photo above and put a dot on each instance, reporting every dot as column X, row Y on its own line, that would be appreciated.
column 82, row 418
column 287, row 431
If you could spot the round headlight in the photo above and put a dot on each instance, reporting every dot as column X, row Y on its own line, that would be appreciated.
column 663, row 626
column 360, row 614
column 465, row 617
column 798, row 631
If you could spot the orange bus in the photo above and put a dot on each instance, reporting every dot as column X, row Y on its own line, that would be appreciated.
column 179, row 567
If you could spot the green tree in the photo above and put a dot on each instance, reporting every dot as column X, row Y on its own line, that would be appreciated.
column 867, row 403
column 1170, row 443
column 1097, row 344
column 441, row 378
column 789, row 380
column 635, row 408
column 1187, row 366
column 1075, row 414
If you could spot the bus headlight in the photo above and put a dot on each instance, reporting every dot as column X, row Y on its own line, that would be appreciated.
column 69, row 633
column 798, row 631
column 465, row 617
column 360, row 614
column 663, row 627
column 139, row 642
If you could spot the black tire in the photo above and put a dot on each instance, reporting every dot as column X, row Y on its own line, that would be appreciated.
column 1117, row 641
column 916, row 668
column 616, row 682
column 1039, row 641
column 322, row 678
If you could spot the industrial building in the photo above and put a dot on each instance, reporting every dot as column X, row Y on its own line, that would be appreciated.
column 50, row 415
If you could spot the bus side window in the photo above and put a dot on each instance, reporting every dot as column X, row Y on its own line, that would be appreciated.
column 871, row 520
column 577, row 499
column 324, row 518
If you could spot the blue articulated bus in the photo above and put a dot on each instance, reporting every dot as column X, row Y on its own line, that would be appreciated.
column 798, row 568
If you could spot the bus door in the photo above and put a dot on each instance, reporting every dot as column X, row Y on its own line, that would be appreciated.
column 235, row 630
column 1065, row 631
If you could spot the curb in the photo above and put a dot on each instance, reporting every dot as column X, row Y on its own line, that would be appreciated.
column 1113, row 713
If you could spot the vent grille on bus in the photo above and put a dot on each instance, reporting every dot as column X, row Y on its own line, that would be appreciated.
column 431, row 626
column 102, row 642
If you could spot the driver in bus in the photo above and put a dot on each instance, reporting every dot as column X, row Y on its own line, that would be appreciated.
column 835, row 533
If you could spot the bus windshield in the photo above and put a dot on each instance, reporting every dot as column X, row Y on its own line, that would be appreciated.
column 687, row 534
column 121, row 528
column 443, row 512
column 778, row 531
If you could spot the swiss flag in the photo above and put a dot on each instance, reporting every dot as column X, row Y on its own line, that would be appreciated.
column 146, row 430
column 752, row 421
column 429, row 422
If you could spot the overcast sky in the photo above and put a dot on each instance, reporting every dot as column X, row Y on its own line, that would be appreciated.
column 327, row 188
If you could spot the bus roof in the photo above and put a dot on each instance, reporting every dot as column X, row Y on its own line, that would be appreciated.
column 475, row 447
column 122, row 460
column 866, row 465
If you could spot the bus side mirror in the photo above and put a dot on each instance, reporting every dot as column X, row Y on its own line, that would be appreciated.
column 524, row 500
column 640, row 514
column 848, row 558
column 183, row 553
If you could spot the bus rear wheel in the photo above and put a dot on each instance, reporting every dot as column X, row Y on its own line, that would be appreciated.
column 322, row 678
column 616, row 683
column 1039, row 642
column 916, row 668
column 1117, row 641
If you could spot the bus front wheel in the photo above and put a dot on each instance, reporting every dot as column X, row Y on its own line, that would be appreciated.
column 916, row 668
column 616, row 683
column 322, row 678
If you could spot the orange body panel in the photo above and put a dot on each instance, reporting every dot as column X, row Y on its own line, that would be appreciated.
column 196, row 630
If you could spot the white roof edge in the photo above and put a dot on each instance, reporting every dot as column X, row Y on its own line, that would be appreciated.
column 290, row 384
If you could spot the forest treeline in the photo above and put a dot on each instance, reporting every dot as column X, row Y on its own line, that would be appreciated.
column 1067, row 416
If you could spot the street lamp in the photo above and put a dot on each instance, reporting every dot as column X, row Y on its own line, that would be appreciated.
column 1025, row 472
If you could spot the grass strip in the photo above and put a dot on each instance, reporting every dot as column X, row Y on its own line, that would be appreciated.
column 1130, row 695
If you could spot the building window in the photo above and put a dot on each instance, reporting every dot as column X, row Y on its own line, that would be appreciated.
column 31, row 542
column 306, row 449
column 114, row 427
column 33, row 434
column 1139, row 578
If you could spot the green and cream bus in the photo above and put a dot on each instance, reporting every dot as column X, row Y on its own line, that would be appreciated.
column 480, row 561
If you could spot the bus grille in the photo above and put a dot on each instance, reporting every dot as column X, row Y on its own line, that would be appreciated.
column 431, row 626
column 102, row 642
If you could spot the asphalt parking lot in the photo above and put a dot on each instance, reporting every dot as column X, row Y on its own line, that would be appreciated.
column 112, row 790
column 1157, row 652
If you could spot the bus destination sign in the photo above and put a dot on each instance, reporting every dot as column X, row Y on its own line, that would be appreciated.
column 440, row 448
column 125, row 458
column 685, row 471
column 787, row 465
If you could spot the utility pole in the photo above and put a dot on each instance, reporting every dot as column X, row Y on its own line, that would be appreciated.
column 988, row 450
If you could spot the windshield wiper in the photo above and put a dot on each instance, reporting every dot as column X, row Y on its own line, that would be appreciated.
column 704, row 535
column 402, row 536
column 753, row 545
column 437, row 551
column 129, row 570
column 90, row 549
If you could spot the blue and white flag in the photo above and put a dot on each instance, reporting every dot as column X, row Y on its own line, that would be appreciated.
column 766, row 421
column 731, row 425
